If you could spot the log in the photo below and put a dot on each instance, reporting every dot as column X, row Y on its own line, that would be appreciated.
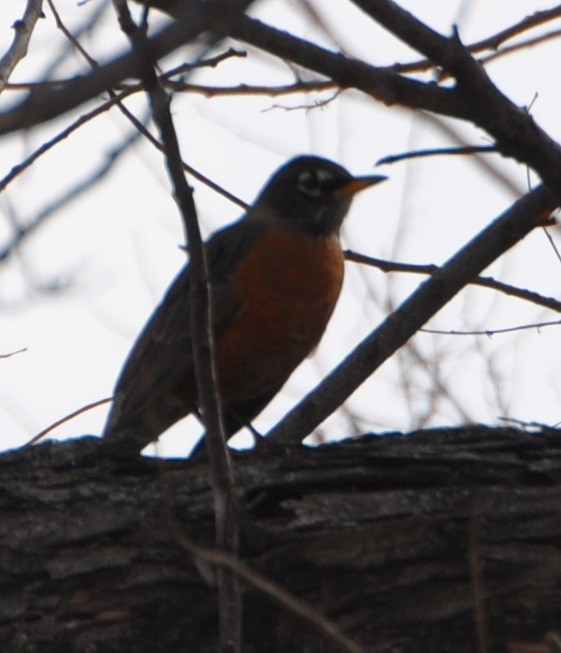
column 439, row 540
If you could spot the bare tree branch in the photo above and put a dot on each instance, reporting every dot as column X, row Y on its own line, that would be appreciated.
column 492, row 332
column 373, row 533
column 23, row 30
column 13, row 353
column 485, row 282
column 512, row 127
column 324, row 627
column 494, row 41
column 43, row 104
column 401, row 325
column 224, row 491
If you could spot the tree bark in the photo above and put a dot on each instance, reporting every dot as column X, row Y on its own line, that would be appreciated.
column 442, row 540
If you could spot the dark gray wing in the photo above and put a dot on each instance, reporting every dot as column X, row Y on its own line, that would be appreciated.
column 161, row 356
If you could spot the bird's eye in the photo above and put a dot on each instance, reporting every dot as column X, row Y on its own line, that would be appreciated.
column 307, row 183
column 313, row 182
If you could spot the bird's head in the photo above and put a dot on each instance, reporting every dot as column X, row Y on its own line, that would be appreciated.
column 310, row 194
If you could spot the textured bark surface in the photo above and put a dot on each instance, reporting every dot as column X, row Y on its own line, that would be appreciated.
column 444, row 540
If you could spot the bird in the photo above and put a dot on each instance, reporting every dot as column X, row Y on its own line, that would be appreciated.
column 275, row 276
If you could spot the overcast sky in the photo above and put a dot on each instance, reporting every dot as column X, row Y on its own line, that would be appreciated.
column 108, row 256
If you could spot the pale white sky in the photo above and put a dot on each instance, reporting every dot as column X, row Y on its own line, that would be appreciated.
column 117, row 246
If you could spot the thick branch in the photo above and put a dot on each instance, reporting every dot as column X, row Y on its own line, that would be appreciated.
column 388, row 537
column 380, row 83
column 403, row 323
column 515, row 131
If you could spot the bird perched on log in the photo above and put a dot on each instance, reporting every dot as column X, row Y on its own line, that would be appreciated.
column 275, row 276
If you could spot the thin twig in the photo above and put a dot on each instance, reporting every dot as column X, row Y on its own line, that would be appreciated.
column 94, row 113
column 552, row 244
column 13, row 353
column 65, row 133
column 225, row 504
column 249, row 89
column 429, row 269
column 490, row 42
column 476, row 568
column 436, row 151
column 164, row 77
column 523, row 45
column 325, row 627
column 92, row 20
column 209, row 62
column 537, row 18
column 491, row 332
column 70, row 194
column 23, row 30
column 453, row 133
column 65, row 419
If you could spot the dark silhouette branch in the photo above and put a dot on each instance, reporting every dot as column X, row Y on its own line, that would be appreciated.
column 494, row 41
column 515, row 132
column 23, row 31
column 523, row 216
column 485, row 282
column 225, row 500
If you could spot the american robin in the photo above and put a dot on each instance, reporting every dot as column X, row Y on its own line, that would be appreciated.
column 275, row 276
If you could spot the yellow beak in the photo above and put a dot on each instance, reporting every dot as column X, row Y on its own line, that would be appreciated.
column 357, row 184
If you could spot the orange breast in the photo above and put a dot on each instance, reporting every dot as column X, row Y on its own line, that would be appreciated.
column 287, row 288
